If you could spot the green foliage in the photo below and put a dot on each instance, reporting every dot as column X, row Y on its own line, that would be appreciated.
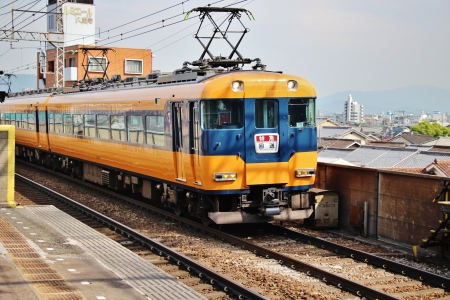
column 433, row 129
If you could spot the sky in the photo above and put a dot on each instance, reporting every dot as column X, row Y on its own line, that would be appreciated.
column 338, row 45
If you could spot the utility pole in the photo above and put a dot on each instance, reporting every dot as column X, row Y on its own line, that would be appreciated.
column 59, row 47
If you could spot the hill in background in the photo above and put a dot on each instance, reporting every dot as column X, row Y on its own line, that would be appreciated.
column 20, row 82
column 412, row 99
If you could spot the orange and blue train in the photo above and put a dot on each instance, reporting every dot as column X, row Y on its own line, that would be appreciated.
column 231, row 147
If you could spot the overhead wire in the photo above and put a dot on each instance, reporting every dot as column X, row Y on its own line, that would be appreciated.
column 15, row 18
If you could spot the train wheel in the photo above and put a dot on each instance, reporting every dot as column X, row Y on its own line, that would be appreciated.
column 178, row 211
column 206, row 221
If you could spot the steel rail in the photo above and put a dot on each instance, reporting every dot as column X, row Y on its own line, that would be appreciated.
column 424, row 276
column 201, row 271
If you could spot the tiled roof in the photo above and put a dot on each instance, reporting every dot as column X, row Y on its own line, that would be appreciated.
column 419, row 147
column 336, row 143
column 387, row 144
column 439, row 168
column 415, row 138
column 408, row 170
column 423, row 159
column 366, row 154
column 440, row 149
column 391, row 158
column 335, row 153
column 331, row 131
column 442, row 141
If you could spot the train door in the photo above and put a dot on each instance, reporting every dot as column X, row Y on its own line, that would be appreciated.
column 194, row 138
column 41, row 126
column 177, row 134
column 262, row 142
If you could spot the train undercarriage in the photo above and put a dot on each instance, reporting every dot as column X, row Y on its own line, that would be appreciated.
column 260, row 204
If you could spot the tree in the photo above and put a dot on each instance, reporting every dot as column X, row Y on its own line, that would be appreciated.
column 433, row 129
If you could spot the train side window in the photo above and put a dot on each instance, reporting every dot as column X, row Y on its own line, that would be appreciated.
column 41, row 116
column 31, row 121
column 135, row 129
column 89, row 125
column 13, row 119
column 7, row 122
column 2, row 118
column 301, row 112
column 67, row 121
column 155, row 130
column 266, row 113
column 118, row 128
column 102, row 126
column 78, row 124
column 19, row 122
column 58, row 123
column 51, row 122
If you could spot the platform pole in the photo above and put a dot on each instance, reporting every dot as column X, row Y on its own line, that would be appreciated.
column 7, row 165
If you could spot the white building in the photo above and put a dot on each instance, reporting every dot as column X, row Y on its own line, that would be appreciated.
column 353, row 112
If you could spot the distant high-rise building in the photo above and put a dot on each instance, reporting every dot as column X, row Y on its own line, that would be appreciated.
column 353, row 112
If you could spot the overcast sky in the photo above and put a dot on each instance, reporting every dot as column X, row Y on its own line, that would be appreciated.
column 337, row 45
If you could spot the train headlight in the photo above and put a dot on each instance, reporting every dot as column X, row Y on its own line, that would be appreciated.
column 225, row 176
column 292, row 85
column 237, row 86
column 305, row 172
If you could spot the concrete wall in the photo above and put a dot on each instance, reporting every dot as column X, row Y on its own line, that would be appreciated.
column 7, row 164
column 400, row 204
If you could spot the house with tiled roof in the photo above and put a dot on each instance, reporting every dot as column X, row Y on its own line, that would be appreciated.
column 337, row 143
column 327, row 122
column 439, row 168
column 412, row 138
column 342, row 133
column 442, row 141
column 387, row 144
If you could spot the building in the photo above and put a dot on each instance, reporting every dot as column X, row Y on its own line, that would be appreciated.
column 81, row 58
column 353, row 112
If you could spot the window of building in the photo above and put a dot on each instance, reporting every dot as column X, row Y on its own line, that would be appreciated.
column 133, row 66
column 135, row 129
column 118, row 128
column 97, row 64
column 103, row 126
column 51, row 66
column 155, row 130
column 71, row 63
column 51, row 22
column 266, row 113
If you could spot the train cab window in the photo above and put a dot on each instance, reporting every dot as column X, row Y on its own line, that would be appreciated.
column 102, row 126
column 118, row 128
column 67, row 121
column 266, row 113
column 135, row 129
column 155, row 130
column 301, row 112
column 78, row 124
column 41, row 116
column 58, row 123
column 222, row 114
column 89, row 125
column 31, row 122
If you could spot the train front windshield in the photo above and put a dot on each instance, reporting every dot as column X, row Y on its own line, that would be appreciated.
column 222, row 114
column 301, row 112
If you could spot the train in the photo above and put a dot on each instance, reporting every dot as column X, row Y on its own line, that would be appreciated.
column 236, row 147
column 224, row 145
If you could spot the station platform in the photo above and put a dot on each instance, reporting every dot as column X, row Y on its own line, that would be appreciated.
column 47, row 254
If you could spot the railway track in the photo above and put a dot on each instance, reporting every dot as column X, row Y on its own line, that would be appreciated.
column 364, row 275
column 205, row 281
